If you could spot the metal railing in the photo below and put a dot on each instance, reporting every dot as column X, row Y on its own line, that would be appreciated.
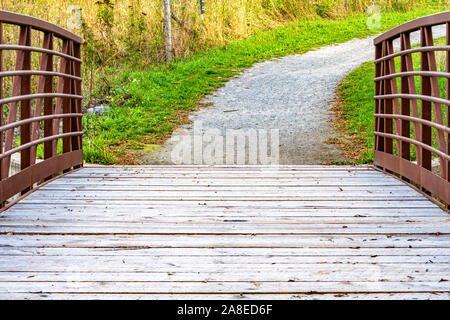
column 31, row 115
column 412, row 106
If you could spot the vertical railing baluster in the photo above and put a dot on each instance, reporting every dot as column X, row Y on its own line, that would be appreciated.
column 378, row 85
column 437, row 107
column 1, row 105
column 388, row 143
column 77, row 142
column 66, row 102
column 410, row 88
column 448, row 98
column 425, row 90
column 73, row 106
column 61, row 89
column 12, row 112
column 45, row 85
column 25, row 106
column 405, row 147
column 381, row 105
column 48, row 103
column 66, row 105
column 393, row 90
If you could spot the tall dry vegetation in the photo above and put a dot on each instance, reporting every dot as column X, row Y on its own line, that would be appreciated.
column 130, row 32
column 123, row 27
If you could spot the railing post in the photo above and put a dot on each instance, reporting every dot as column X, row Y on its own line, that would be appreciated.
column 1, row 115
column 12, row 113
column 409, row 106
column 45, row 85
column 1, row 105
column 425, row 90
column 388, row 143
column 76, row 123
column 66, row 102
column 25, row 105
column 405, row 148
column 60, row 101
column 394, row 109
column 379, row 122
column 447, row 25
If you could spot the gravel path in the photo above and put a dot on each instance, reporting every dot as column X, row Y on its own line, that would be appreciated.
column 289, row 95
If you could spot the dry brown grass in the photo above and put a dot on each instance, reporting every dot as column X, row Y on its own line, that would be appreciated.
column 130, row 32
column 353, row 145
column 119, row 26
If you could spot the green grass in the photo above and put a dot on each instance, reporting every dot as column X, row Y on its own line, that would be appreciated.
column 356, row 95
column 93, row 149
column 40, row 149
column 356, row 106
column 148, row 104
column 95, row 152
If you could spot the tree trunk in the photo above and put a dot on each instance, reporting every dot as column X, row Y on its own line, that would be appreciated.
column 167, row 31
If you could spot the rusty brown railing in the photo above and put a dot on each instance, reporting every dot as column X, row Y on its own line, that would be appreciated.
column 34, row 113
column 411, row 116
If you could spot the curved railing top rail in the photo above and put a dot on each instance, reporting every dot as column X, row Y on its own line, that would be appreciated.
column 40, row 103
column 414, row 25
column 412, row 106
column 38, row 24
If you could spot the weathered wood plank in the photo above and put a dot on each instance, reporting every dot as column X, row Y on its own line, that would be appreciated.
column 146, row 263
column 301, row 275
column 241, row 296
column 236, row 232
column 21, row 209
column 228, row 241
column 363, row 176
column 407, row 203
column 225, row 228
column 123, row 220
column 249, row 252
column 322, row 269
column 294, row 222
column 222, row 287
column 261, row 255
column 232, row 170
column 282, row 182
column 228, row 190
column 229, row 167
column 236, row 195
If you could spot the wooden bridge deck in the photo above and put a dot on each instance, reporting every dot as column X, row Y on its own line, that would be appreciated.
column 225, row 232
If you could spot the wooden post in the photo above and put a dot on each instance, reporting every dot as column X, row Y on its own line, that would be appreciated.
column 167, row 30
column 1, row 107
column 448, row 107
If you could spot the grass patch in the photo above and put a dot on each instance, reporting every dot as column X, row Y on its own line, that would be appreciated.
column 95, row 152
column 93, row 149
column 354, row 108
column 146, row 106
column 354, row 111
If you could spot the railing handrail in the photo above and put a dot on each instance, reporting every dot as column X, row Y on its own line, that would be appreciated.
column 397, row 107
column 38, row 24
column 46, row 106
column 414, row 25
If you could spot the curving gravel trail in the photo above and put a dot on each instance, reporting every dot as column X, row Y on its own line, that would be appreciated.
column 290, row 95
